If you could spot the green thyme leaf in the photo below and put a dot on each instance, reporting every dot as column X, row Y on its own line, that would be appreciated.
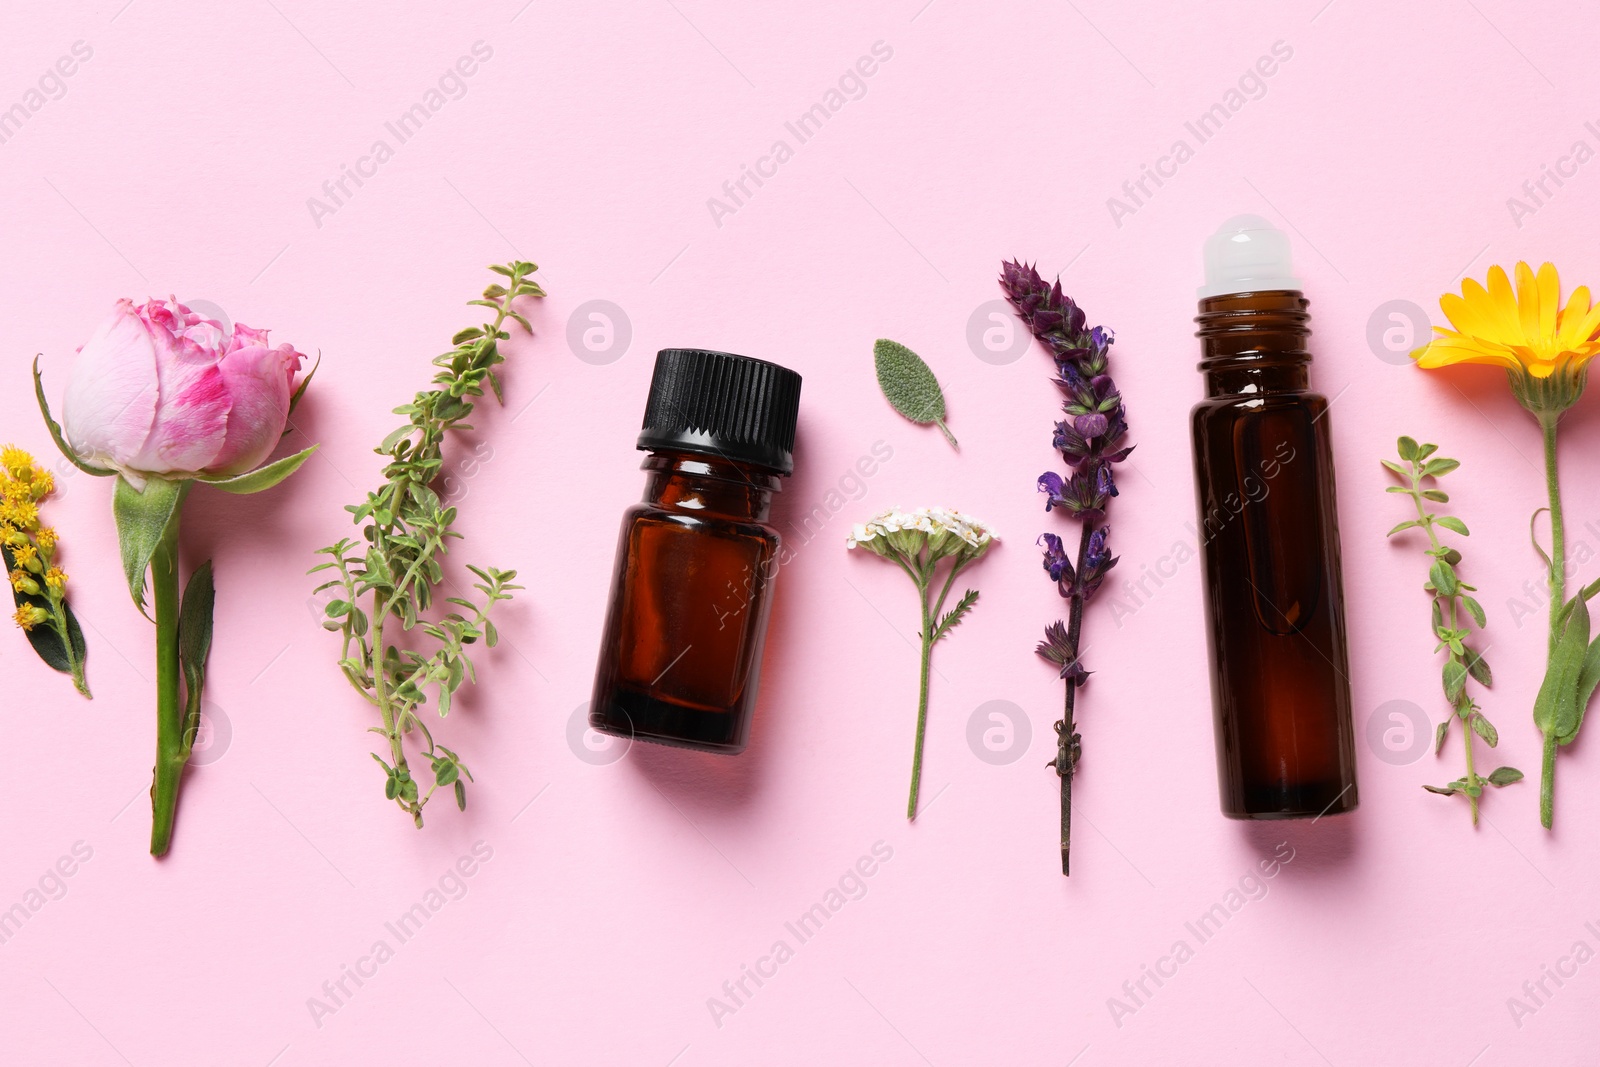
column 1504, row 776
column 1485, row 729
column 909, row 385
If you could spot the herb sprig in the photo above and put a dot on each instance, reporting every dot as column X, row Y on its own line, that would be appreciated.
column 386, row 580
column 1090, row 439
column 1453, row 607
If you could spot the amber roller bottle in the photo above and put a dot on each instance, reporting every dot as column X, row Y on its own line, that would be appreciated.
column 1280, row 686
column 681, row 654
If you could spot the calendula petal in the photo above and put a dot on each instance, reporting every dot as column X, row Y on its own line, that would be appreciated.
column 1445, row 351
column 1549, row 299
column 1579, row 321
column 1527, row 302
column 1504, row 321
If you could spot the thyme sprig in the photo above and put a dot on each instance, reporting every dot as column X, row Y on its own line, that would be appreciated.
column 386, row 579
column 1455, row 612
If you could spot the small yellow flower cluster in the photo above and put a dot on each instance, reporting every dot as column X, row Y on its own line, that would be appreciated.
column 23, row 484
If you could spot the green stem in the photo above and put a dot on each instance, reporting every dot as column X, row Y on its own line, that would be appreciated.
column 169, row 702
column 1461, row 710
column 922, row 699
column 58, row 614
column 1558, row 563
column 1066, row 762
column 1558, row 598
column 1547, row 783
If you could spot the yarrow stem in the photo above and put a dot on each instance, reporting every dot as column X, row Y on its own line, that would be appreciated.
column 917, row 542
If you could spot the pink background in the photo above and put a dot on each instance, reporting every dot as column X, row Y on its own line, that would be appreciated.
column 620, row 896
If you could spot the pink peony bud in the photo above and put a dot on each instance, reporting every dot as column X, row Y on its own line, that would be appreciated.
column 160, row 390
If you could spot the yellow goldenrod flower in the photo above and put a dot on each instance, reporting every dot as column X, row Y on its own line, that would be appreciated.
column 16, row 462
column 21, row 513
column 28, row 616
column 55, row 578
column 46, row 538
column 23, row 582
column 1544, row 348
column 42, row 484
column 23, row 553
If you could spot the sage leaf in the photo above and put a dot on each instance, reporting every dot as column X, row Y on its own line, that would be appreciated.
column 910, row 386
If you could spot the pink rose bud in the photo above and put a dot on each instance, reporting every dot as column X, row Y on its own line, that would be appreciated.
column 160, row 390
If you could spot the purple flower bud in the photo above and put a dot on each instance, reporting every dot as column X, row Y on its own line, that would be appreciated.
column 1105, row 485
column 1091, row 425
column 1056, row 561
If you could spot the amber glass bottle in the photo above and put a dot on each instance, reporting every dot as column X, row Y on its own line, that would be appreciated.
column 1269, row 529
column 681, row 653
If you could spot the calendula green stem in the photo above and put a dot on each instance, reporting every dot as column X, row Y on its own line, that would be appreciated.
column 1548, row 421
column 1547, row 783
column 170, row 757
column 1558, row 545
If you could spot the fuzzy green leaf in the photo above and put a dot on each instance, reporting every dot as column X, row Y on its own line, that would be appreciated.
column 1407, row 447
column 142, row 517
column 1504, row 776
column 1443, row 577
column 909, row 385
column 1555, row 710
column 1450, row 522
column 1455, row 678
column 1440, row 733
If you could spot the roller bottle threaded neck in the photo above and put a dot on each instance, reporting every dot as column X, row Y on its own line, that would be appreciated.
column 1254, row 342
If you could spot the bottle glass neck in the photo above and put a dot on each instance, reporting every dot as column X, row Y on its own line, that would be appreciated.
column 705, row 485
column 1254, row 343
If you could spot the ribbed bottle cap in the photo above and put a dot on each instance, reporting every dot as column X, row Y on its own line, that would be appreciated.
column 720, row 404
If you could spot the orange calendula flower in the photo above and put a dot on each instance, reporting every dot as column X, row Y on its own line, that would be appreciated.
column 1543, row 346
